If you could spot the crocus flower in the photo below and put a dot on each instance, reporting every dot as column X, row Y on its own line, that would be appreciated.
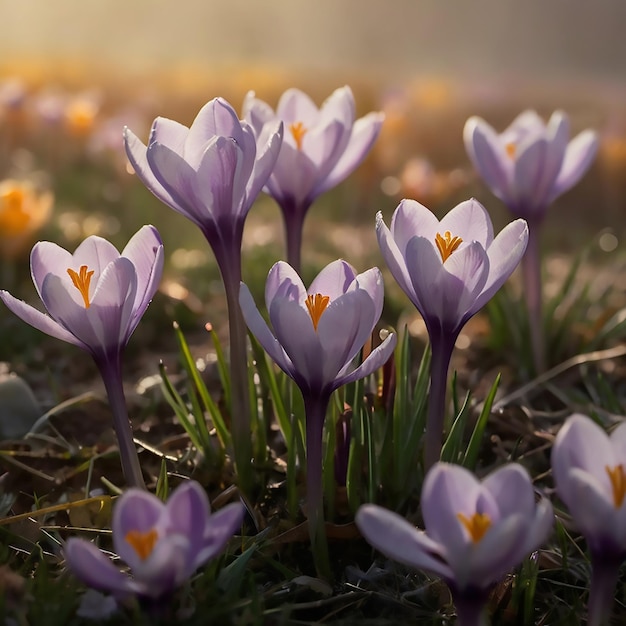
column 211, row 173
column 588, row 468
column 322, row 146
column 449, row 269
column 527, row 166
column 317, row 333
column 162, row 543
column 475, row 533
column 94, row 299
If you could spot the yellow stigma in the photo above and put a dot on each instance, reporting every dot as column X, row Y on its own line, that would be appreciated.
column 476, row 526
column 618, row 482
column 510, row 148
column 447, row 244
column 316, row 305
column 298, row 131
column 81, row 280
column 142, row 543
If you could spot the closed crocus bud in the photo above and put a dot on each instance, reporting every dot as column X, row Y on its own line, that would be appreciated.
column 321, row 147
column 589, row 471
column 475, row 533
column 162, row 543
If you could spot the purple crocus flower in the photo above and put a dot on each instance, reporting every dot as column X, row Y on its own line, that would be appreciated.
column 475, row 533
column 162, row 543
column 317, row 333
column 589, row 471
column 449, row 269
column 95, row 299
column 322, row 146
column 212, row 173
column 527, row 166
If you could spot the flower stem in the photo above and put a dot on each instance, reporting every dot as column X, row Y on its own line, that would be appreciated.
column 230, row 268
column 111, row 372
column 531, row 271
column 315, row 413
column 470, row 609
column 293, row 216
column 604, row 575
column 442, row 344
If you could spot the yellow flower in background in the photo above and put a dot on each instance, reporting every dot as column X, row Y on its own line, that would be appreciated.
column 23, row 211
column 80, row 115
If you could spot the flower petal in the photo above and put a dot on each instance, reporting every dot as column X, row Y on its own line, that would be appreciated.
column 188, row 513
column 470, row 221
column 376, row 358
column 45, row 258
column 511, row 488
column 334, row 279
column 284, row 282
column 221, row 526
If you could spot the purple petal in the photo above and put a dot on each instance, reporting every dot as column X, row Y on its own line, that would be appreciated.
column 169, row 133
column 96, row 253
column 618, row 441
column 188, row 510
column 470, row 221
column 578, row 157
column 267, row 151
column 364, row 133
column 284, row 282
column 377, row 358
column 45, row 258
column 259, row 328
column 137, row 154
column 296, row 106
column 504, row 254
column 93, row 568
column 257, row 112
column 371, row 281
column 293, row 176
column 39, row 320
column 397, row 539
column 221, row 526
column 511, row 488
column 412, row 219
column 333, row 281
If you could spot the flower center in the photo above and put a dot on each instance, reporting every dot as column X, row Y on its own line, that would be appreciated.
column 81, row 280
column 13, row 218
column 316, row 305
column 447, row 244
column 511, row 149
column 142, row 543
column 618, row 482
column 476, row 526
column 298, row 131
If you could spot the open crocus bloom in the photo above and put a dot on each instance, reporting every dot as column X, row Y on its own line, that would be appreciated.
column 589, row 470
column 529, row 164
column 318, row 332
column 162, row 543
column 475, row 531
column 321, row 146
column 96, row 296
column 450, row 268
column 210, row 172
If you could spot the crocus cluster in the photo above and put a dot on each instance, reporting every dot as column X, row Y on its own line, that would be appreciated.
column 162, row 543
column 475, row 532
column 94, row 299
column 449, row 269
column 317, row 333
column 321, row 147
column 528, row 166
column 590, row 476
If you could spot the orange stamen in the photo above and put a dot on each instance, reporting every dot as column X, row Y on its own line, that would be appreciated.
column 476, row 526
column 81, row 281
column 142, row 543
column 618, row 482
column 298, row 131
column 511, row 149
column 447, row 244
column 316, row 305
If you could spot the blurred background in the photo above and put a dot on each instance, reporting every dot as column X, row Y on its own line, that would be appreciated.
column 73, row 74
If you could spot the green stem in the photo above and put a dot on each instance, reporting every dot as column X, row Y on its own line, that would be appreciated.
column 111, row 372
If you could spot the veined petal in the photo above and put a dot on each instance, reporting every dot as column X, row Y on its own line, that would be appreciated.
column 505, row 253
column 371, row 281
column 293, row 176
column 578, row 157
column 48, row 258
column 339, row 106
column 324, row 145
column 259, row 328
column 137, row 154
column 364, row 133
column 486, row 152
column 95, row 569
column 221, row 526
column 267, row 151
column 39, row 320
column 169, row 133
column 257, row 112
column 511, row 488
column 376, row 359
column 470, row 221
column 412, row 219
column 96, row 253
column 529, row 168
column 334, row 279
column 284, row 282
column 397, row 539
column 188, row 513
column 296, row 106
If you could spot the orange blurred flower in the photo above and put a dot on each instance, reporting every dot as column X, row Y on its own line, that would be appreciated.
column 23, row 211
